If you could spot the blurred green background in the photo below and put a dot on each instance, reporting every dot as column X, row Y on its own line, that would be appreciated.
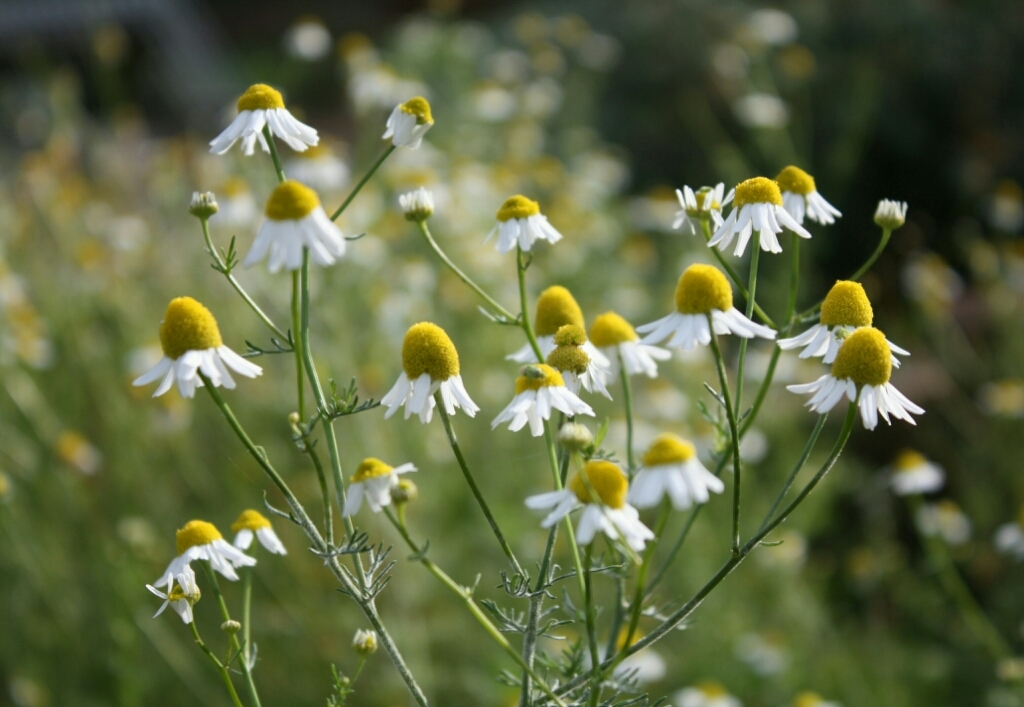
column 599, row 109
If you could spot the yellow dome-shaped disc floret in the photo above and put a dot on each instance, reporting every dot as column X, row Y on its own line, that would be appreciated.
column 250, row 520
column 669, row 449
column 846, row 304
column 795, row 180
column 291, row 201
column 807, row 699
column 260, row 96
column 609, row 329
column 908, row 460
column 702, row 288
column 188, row 326
column 518, row 206
column 603, row 478
column 570, row 335
column 759, row 190
column 419, row 107
column 370, row 468
column 556, row 307
column 427, row 349
column 196, row 532
column 710, row 688
column 537, row 376
column 864, row 358
column 569, row 358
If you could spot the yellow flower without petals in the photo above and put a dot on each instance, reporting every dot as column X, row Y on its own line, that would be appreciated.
column 250, row 520
column 759, row 190
column 291, row 201
column 795, row 180
column 864, row 358
column 846, row 304
column 517, row 206
column 702, row 288
column 909, row 459
column 569, row 358
column 188, row 326
column 603, row 478
column 370, row 468
column 537, row 376
column 427, row 349
column 419, row 107
column 668, row 449
column 556, row 307
column 196, row 532
column 260, row 96
column 609, row 329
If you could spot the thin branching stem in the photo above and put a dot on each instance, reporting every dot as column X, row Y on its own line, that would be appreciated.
column 734, row 438
column 362, row 182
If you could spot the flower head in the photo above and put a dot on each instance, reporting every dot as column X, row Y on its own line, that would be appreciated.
column 556, row 307
column 253, row 523
column 702, row 293
column 670, row 466
column 705, row 694
column 617, row 340
column 409, row 122
column 417, row 205
column 861, row 373
column 890, row 215
column 571, row 360
column 944, row 520
column 203, row 204
column 800, row 197
column 430, row 364
column 181, row 595
column 812, row 699
column 539, row 388
column 191, row 343
column 199, row 540
column 295, row 222
column 364, row 643
column 374, row 481
column 912, row 474
column 521, row 223
column 757, row 205
column 706, row 203
column 262, row 106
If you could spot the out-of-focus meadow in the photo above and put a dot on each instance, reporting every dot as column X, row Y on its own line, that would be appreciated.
column 599, row 110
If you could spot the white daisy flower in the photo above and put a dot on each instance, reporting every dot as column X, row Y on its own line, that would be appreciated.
column 409, row 122
column 262, row 106
column 319, row 168
column 1010, row 537
column 430, row 364
column 539, row 388
column 364, row 643
column 812, row 699
column 800, row 197
column 571, row 360
column 912, row 474
column 757, row 206
column 609, row 512
column 670, row 466
column 945, row 520
column 417, row 205
column 616, row 339
column 203, row 204
column 846, row 307
column 179, row 596
column 702, row 292
column 200, row 540
column 556, row 307
column 253, row 523
column 373, row 480
column 706, row 203
column 861, row 373
column 891, row 214
column 295, row 222
column 520, row 222
column 191, row 343
column 706, row 694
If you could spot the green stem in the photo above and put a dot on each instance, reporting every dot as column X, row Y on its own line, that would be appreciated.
column 224, row 674
column 359, row 669
column 627, row 401
column 735, row 277
column 734, row 438
column 273, row 153
column 362, row 182
column 525, row 316
column 755, row 258
column 297, row 346
column 324, row 492
column 233, row 638
column 461, row 275
column 681, row 539
column 454, row 442
column 796, row 467
column 591, row 617
column 246, row 613
column 886, row 234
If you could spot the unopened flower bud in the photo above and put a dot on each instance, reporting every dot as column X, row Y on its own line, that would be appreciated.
column 203, row 205
column 575, row 436
column 417, row 205
column 365, row 643
column 231, row 626
column 404, row 492
column 890, row 215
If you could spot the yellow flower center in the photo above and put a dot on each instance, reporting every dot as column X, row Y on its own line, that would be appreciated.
column 419, row 107
column 518, row 206
column 291, row 201
column 710, row 688
column 569, row 358
column 188, row 326
column 669, row 449
column 260, row 96
column 370, row 468
column 948, row 508
column 556, row 307
column 537, row 376
column 570, row 335
column 759, row 190
column 846, row 304
column 176, row 594
column 609, row 329
column 427, row 349
column 807, row 699
column 703, row 207
column 234, row 186
column 196, row 532
column 250, row 520
column 701, row 289
column 864, row 358
column 620, row 642
column 603, row 478
column 909, row 460
column 795, row 180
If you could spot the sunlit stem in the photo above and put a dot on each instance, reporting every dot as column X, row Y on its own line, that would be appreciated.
column 521, row 266
column 359, row 669
column 734, row 276
column 755, row 258
column 454, row 442
column 796, row 468
column 225, row 676
column 627, row 402
column 246, row 613
column 734, row 438
column 273, row 153
column 300, row 386
column 235, row 647
column 362, row 182
column 591, row 617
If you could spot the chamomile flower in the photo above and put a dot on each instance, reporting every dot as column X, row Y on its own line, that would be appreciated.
column 373, row 481
column 556, row 307
column 891, row 214
column 262, row 106
column 182, row 592
column 845, row 308
column 200, row 540
column 409, row 122
column 539, row 388
column 576, row 367
column 1010, row 537
column 944, row 520
column 912, row 474
column 812, row 699
column 417, row 205
column 701, row 293
column 295, row 222
column 253, row 523
column 705, row 694
column 520, row 222
column 757, row 206
column 705, row 203
column 617, row 340
column 191, row 343
column 670, row 466
column 430, row 364
column 800, row 197
column 861, row 373
column 602, row 496
column 364, row 643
